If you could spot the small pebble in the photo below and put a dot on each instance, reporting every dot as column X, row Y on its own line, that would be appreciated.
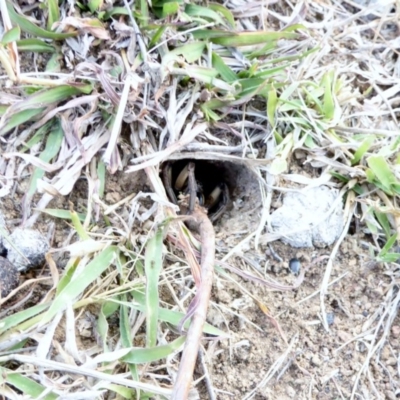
column 9, row 277
column 316, row 361
column 294, row 265
column 330, row 318
column 32, row 245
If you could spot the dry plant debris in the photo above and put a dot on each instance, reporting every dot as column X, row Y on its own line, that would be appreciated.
column 96, row 96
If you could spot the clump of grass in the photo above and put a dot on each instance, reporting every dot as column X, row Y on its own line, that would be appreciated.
column 185, row 75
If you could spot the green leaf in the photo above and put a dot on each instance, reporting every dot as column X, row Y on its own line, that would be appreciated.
column 80, row 281
column 21, row 316
column 362, row 149
column 47, row 97
column 94, row 5
column 80, row 230
column 35, row 45
column 384, row 222
column 224, row 71
column 53, row 145
column 104, row 16
column 142, row 356
column 191, row 52
column 272, row 102
column 152, row 267
column 170, row 8
column 62, row 214
column 28, row 387
column 157, row 36
column 101, row 174
column 382, row 172
column 27, row 26
column 194, row 10
column 126, row 393
column 223, row 11
column 54, row 63
column 232, row 39
column 329, row 103
column 389, row 257
column 12, row 35
column 389, row 244
column 54, row 13
column 20, row 118
column 102, row 328
column 172, row 317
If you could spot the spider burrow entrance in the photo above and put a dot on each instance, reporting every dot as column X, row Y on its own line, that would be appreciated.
column 194, row 178
column 222, row 187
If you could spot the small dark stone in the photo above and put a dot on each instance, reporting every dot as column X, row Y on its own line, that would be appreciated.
column 9, row 277
column 294, row 265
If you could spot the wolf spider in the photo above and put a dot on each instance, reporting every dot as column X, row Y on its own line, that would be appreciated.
column 215, row 201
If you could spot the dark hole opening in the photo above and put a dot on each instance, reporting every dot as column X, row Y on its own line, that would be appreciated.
column 208, row 175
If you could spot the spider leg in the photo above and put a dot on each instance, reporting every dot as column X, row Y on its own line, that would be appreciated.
column 192, row 186
column 167, row 180
column 222, row 199
column 183, row 177
column 214, row 196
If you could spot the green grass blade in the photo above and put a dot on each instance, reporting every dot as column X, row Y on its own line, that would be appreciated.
column 101, row 174
column 21, row 316
column 54, row 13
column 27, row 386
column 381, row 170
column 364, row 147
column 153, row 266
column 102, row 328
column 35, row 45
column 49, row 96
column 157, row 36
column 384, row 222
column 126, row 337
column 80, row 230
column 223, row 11
column 62, row 214
column 94, row 5
column 12, row 35
column 191, row 52
column 233, row 39
column 81, row 281
column 29, row 27
column 20, row 118
column 329, row 103
column 272, row 102
column 170, row 8
column 224, row 71
column 53, row 145
column 172, row 317
column 141, row 356
column 194, row 10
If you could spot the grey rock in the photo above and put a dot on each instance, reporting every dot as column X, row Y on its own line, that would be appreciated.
column 3, row 226
column 28, row 248
column 305, row 219
column 9, row 277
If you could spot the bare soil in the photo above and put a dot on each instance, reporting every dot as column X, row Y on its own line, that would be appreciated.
column 290, row 355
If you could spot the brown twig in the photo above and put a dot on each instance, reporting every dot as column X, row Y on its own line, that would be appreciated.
column 200, row 223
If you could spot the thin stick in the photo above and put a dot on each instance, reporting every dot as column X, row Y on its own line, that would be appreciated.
column 207, row 377
column 203, row 225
